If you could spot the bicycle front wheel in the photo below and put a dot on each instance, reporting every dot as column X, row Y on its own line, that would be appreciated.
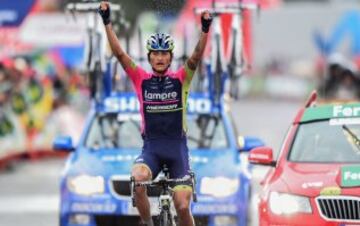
column 166, row 219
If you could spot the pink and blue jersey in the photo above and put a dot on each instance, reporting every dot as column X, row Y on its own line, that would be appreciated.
column 162, row 101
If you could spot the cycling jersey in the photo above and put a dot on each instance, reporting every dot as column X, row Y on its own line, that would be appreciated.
column 162, row 101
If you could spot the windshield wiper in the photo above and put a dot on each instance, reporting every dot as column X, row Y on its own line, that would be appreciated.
column 353, row 136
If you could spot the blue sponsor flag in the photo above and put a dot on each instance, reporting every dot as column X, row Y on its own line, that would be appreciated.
column 12, row 13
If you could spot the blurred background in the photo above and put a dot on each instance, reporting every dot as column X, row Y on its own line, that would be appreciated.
column 291, row 48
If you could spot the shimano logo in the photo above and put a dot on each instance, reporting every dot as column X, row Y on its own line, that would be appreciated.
column 160, row 96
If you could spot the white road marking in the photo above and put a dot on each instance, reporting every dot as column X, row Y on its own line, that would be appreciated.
column 29, row 204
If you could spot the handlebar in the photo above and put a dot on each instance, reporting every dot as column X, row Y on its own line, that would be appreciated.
column 162, row 181
column 89, row 6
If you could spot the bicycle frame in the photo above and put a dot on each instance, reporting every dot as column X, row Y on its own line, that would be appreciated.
column 166, row 217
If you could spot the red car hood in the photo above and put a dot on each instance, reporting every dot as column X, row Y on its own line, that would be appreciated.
column 313, row 179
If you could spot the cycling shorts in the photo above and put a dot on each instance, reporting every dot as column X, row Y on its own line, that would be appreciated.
column 174, row 153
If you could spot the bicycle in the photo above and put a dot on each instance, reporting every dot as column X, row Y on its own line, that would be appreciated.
column 95, row 43
column 219, row 69
column 166, row 217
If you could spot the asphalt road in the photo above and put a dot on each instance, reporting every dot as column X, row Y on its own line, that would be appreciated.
column 29, row 192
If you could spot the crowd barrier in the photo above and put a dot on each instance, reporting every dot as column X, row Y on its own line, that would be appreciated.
column 34, row 110
column 18, row 141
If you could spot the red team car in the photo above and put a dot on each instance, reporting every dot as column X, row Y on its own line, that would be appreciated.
column 315, row 180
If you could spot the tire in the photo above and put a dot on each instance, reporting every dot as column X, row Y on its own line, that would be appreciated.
column 234, row 88
column 165, row 218
column 95, row 82
column 217, row 78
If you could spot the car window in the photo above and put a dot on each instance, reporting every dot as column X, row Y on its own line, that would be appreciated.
column 326, row 142
column 124, row 131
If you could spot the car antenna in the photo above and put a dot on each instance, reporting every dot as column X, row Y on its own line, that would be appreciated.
column 311, row 102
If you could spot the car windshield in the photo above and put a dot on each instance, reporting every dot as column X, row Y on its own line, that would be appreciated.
column 114, row 131
column 330, row 141
column 123, row 131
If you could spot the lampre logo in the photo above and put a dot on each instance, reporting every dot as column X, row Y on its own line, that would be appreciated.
column 160, row 96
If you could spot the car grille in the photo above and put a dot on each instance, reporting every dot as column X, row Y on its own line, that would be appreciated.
column 122, row 188
column 339, row 207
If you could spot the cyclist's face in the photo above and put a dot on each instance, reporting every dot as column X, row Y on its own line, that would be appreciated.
column 160, row 60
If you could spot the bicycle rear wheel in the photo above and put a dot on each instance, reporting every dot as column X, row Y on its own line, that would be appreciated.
column 95, row 82
column 217, row 77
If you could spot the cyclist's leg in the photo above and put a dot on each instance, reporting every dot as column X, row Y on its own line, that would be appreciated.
column 179, row 167
column 145, row 167
column 182, row 199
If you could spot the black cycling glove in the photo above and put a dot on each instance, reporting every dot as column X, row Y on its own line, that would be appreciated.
column 105, row 15
column 205, row 23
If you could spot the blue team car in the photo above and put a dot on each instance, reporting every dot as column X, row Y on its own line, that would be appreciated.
column 95, row 181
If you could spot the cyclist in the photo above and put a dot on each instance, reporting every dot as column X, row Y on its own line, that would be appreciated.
column 162, row 95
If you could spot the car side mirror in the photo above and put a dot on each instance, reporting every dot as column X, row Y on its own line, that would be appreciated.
column 247, row 143
column 262, row 156
column 63, row 143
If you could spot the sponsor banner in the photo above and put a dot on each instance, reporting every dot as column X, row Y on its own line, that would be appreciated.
column 125, row 103
column 12, row 13
column 130, row 104
column 94, row 207
column 10, row 43
column 350, row 176
column 214, row 208
column 53, row 29
column 337, row 111
column 346, row 111
column 344, row 121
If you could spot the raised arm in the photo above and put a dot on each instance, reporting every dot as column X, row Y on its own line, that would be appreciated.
column 118, row 52
column 196, row 56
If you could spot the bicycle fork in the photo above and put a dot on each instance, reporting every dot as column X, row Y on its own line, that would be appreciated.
column 166, row 217
column 132, row 190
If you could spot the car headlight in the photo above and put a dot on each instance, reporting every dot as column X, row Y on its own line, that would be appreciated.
column 283, row 203
column 86, row 185
column 219, row 186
